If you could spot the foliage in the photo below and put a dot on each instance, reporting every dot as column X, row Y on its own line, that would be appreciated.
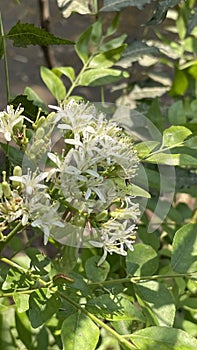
column 121, row 172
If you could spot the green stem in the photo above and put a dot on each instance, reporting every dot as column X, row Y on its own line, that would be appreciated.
column 26, row 271
column 136, row 279
column 5, row 60
column 10, row 235
column 119, row 337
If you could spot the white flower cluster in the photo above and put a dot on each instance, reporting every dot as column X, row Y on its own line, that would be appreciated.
column 89, row 179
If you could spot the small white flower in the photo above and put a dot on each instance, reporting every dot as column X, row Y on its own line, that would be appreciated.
column 31, row 181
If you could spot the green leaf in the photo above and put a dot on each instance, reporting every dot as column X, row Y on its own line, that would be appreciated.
column 155, row 114
column 30, row 110
column 24, row 329
column 112, row 28
column 108, row 58
column 24, row 34
column 173, row 159
column 89, row 41
column 158, row 302
column 32, row 96
column 143, row 149
column 117, row 5
column 102, row 76
column 175, row 136
column 96, row 273
column 42, row 308
column 137, row 191
column 113, row 43
column 54, row 84
column 135, row 51
column 163, row 338
column 184, row 255
column 191, row 142
column 192, row 21
column 15, row 155
column 67, row 71
column 143, row 261
column 180, row 83
column 21, row 301
column 79, row 332
column 176, row 113
column 161, row 10
column 69, row 6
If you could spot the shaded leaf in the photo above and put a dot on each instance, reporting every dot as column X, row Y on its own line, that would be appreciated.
column 32, row 96
column 117, row 5
column 158, row 301
column 143, row 261
column 94, row 272
column 54, row 83
column 24, row 329
column 176, row 113
column 30, row 110
column 184, row 256
column 69, row 6
column 161, row 10
column 163, row 338
column 79, row 332
column 24, row 34
column 192, row 22
column 135, row 51
column 15, row 155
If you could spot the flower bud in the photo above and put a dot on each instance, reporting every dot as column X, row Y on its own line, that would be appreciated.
column 6, row 189
column 17, row 172
column 40, row 133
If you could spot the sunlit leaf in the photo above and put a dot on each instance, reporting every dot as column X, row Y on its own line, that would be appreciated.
column 54, row 83
column 24, row 34
column 108, row 58
column 175, row 136
column 67, row 71
column 102, row 76
column 69, row 6
column 184, row 256
column 158, row 301
column 172, row 159
column 163, row 338
column 180, row 83
column 79, row 332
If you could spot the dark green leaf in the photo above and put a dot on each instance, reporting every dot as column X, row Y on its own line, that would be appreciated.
column 97, row 77
column 112, row 28
column 163, row 338
column 184, row 256
column 158, row 301
column 15, row 155
column 54, row 84
column 96, row 273
column 24, row 34
column 79, row 332
column 143, row 261
column 24, row 329
column 117, row 5
column 161, row 10
column 42, row 308
column 192, row 23
column 135, row 51
column 30, row 109
column 82, row 45
column 32, row 96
